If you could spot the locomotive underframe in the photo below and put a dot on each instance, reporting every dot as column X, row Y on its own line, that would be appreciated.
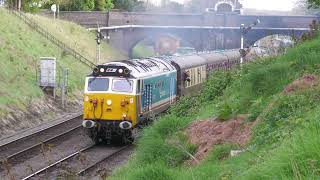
column 108, row 131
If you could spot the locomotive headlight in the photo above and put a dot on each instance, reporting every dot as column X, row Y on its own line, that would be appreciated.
column 102, row 70
column 109, row 102
column 120, row 71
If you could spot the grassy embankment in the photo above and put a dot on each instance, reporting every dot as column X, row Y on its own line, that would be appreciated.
column 78, row 38
column 20, row 50
column 285, row 143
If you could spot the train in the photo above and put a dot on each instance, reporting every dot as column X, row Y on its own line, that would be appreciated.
column 122, row 95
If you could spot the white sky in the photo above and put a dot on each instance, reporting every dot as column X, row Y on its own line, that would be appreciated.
column 282, row 5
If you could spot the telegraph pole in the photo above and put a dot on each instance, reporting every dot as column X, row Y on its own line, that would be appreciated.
column 98, row 39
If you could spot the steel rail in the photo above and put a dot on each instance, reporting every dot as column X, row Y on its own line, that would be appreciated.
column 39, row 144
column 44, row 129
column 57, row 162
column 83, row 171
column 34, row 145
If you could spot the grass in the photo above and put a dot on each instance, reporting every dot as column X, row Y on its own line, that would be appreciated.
column 78, row 38
column 285, row 141
column 20, row 50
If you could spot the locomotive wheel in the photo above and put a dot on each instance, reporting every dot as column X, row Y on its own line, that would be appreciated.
column 93, row 134
column 127, row 137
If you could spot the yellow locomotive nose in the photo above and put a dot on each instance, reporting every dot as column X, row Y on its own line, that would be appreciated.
column 110, row 107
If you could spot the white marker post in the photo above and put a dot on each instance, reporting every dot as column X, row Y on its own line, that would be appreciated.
column 244, row 30
column 242, row 43
column 54, row 10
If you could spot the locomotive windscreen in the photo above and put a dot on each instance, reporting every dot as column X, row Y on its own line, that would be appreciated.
column 122, row 85
column 98, row 84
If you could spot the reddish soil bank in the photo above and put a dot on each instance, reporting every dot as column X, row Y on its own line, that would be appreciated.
column 303, row 83
column 205, row 134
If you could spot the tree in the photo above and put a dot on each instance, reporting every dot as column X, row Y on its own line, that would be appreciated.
column 129, row 5
column 109, row 4
column 304, row 6
column 88, row 5
column 74, row 5
column 100, row 5
column 31, row 5
column 313, row 3
column 83, row 5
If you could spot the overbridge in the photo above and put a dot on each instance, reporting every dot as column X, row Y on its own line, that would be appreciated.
column 203, row 31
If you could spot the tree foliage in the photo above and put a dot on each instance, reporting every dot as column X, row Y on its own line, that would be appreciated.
column 101, row 5
column 82, row 5
column 313, row 3
column 129, row 5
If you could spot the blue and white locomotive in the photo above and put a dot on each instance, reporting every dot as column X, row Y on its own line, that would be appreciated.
column 121, row 95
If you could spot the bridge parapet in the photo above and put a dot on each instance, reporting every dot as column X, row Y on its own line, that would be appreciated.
column 116, row 18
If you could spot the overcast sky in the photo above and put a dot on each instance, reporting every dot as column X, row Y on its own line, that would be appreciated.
column 282, row 5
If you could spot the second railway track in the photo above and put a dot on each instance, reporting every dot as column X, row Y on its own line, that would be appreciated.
column 78, row 163
column 26, row 146
column 57, row 150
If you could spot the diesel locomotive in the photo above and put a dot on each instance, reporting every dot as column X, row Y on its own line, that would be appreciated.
column 119, row 96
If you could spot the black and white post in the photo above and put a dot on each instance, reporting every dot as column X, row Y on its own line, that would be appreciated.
column 244, row 30
column 98, row 39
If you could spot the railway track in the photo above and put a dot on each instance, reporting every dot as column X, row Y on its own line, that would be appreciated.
column 55, row 150
column 25, row 147
column 78, row 163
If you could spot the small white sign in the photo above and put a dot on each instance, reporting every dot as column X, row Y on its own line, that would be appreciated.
column 54, row 8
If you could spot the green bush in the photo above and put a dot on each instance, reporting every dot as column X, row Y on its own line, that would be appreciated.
column 285, row 116
column 296, row 158
column 212, row 88
column 216, row 84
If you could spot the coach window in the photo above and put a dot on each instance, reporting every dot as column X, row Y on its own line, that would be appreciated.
column 199, row 75
column 187, row 78
column 193, row 80
column 204, row 74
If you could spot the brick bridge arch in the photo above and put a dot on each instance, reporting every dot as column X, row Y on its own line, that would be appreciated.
column 258, row 34
column 200, row 39
column 127, row 39
column 158, row 39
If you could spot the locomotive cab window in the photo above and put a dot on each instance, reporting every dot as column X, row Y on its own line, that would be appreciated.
column 98, row 84
column 122, row 85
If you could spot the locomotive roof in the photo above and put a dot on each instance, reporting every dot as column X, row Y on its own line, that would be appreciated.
column 145, row 67
column 158, row 65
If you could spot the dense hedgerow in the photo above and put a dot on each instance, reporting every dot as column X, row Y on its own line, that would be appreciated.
column 285, row 142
